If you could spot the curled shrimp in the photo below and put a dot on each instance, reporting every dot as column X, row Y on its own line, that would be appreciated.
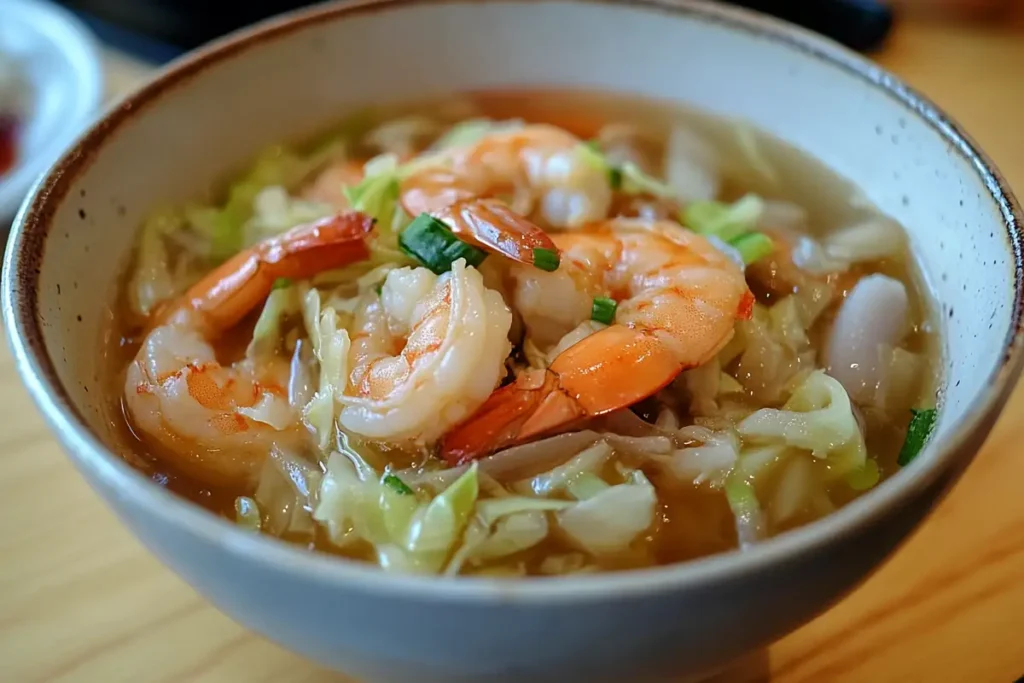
column 538, row 168
column 678, row 301
column 218, row 422
column 425, row 354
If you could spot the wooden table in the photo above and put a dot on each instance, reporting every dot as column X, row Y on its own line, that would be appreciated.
column 80, row 600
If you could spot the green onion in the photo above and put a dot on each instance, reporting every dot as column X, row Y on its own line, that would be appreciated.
column 546, row 259
column 396, row 484
column 921, row 423
column 379, row 288
column 603, row 310
column 615, row 178
column 429, row 241
column 753, row 246
column 281, row 283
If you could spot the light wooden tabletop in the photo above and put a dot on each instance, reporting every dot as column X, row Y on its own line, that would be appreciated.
column 80, row 600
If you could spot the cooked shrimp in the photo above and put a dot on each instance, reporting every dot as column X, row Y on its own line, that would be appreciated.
column 218, row 422
column 329, row 186
column 492, row 225
column 538, row 166
column 678, row 301
column 425, row 354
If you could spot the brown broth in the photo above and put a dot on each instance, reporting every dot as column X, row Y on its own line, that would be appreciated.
column 690, row 522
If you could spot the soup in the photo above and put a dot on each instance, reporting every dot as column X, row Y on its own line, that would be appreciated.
column 525, row 334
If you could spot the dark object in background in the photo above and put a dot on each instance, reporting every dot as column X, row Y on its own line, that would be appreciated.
column 183, row 24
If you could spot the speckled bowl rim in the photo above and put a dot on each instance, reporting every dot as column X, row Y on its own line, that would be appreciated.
column 19, row 301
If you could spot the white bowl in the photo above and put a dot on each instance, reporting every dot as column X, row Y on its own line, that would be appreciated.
column 62, row 66
column 209, row 112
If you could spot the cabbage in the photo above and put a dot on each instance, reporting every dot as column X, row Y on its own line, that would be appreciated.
column 725, row 221
column 871, row 240
column 277, row 166
column 691, row 166
column 562, row 477
column 504, row 526
column 471, row 131
column 610, row 521
column 435, row 529
column 746, row 139
column 284, row 300
column 750, row 526
column 817, row 418
column 275, row 211
column 401, row 136
column 512, row 534
column 331, row 347
column 711, row 462
column 151, row 281
column 247, row 513
column 627, row 178
column 285, row 493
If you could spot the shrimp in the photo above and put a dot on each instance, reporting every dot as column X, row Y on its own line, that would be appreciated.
column 537, row 166
column 678, row 301
column 425, row 354
column 329, row 186
column 218, row 422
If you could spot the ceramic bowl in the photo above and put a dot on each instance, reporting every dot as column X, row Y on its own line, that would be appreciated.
column 206, row 114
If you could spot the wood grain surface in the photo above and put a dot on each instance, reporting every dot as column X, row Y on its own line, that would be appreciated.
column 80, row 600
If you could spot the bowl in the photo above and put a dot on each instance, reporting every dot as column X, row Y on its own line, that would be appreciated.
column 206, row 114
column 65, row 77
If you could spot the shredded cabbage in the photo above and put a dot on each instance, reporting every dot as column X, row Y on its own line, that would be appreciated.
column 331, row 347
column 285, row 494
column 725, row 221
column 152, row 281
column 817, row 418
column 435, row 529
column 691, row 166
column 750, row 526
column 247, row 513
column 284, row 300
column 627, row 178
column 609, row 521
column 472, row 131
column 561, row 478
column 224, row 226
column 711, row 462
column 275, row 211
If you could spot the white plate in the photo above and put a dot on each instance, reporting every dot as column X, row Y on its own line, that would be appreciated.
column 63, row 68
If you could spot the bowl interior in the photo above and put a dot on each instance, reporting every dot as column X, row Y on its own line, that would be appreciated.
column 182, row 134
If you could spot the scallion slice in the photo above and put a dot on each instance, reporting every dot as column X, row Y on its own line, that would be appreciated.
column 281, row 283
column 603, row 310
column 753, row 246
column 921, row 423
column 546, row 259
column 429, row 241
column 396, row 484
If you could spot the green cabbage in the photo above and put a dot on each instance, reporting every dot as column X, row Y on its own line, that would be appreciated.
column 331, row 347
column 283, row 301
column 152, row 281
column 817, row 418
column 610, row 521
column 589, row 461
column 627, row 178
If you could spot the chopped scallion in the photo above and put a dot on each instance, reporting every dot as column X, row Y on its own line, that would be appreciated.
column 396, row 484
column 546, row 259
column 615, row 178
column 281, row 283
column 921, row 423
column 753, row 246
column 603, row 310
column 429, row 241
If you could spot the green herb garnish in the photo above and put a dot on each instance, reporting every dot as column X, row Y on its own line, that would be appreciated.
column 396, row 484
column 921, row 423
column 615, row 178
column 603, row 310
column 546, row 259
column 281, row 283
column 753, row 246
column 433, row 244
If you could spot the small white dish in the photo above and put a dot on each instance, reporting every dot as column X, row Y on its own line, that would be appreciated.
column 63, row 68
